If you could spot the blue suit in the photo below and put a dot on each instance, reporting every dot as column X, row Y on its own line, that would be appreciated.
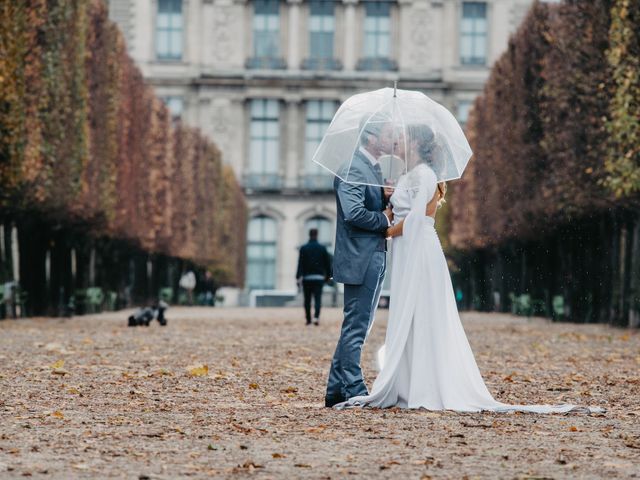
column 359, row 263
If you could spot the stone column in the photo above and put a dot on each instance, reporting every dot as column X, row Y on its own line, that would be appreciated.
column 293, row 156
column 143, row 32
column 450, row 55
column 192, row 17
column 350, row 32
column 287, row 245
column 293, row 55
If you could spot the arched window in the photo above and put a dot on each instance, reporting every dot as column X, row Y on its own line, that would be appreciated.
column 261, row 253
column 325, row 230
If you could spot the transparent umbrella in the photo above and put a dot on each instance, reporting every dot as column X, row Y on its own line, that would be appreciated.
column 397, row 128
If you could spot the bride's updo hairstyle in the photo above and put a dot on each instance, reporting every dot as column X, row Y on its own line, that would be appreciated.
column 427, row 150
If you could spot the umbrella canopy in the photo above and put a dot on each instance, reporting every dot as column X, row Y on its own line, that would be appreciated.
column 398, row 129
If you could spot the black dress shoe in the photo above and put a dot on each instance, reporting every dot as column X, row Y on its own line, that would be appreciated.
column 316, row 321
column 331, row 401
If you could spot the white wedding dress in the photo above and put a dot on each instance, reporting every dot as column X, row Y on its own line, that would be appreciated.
column 426, row 361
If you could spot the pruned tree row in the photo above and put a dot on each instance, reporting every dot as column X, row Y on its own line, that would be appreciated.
column 87, row 148
column 550, row 204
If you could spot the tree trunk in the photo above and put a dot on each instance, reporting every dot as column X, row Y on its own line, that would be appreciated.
column 33, row 238
column 634, row 274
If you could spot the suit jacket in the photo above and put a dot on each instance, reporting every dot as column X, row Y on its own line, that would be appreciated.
column 361, row 226
column 313, row 260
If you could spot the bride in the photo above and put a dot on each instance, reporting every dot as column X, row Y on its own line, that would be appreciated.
column 426, row 361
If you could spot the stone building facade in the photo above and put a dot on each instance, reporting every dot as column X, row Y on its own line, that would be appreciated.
column 263, row 78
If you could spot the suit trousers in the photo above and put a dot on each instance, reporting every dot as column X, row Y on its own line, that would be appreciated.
column 360, row 304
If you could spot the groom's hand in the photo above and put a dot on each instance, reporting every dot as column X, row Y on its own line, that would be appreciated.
column 388, row 191
column 389, row 234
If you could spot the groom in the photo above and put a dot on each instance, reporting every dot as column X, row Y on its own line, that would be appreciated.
column 360, row 256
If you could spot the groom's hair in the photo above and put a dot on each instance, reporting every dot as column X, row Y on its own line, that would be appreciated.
column 371, row 124
column 313, row 233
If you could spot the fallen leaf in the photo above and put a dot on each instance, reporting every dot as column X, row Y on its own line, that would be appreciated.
column 58, row 364
column 198, row 370
column 318, row 429
column 57, row 414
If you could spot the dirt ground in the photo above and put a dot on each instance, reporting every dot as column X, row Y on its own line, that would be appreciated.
column 235, row 393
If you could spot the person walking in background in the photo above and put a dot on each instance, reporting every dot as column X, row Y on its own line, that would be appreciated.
column 314, row 269
column 209, row 288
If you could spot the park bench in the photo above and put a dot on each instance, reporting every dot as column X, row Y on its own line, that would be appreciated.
column 94, row 299
column 166, row 294
column 557, row 303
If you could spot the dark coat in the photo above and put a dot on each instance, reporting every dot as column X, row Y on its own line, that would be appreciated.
column 314, row 260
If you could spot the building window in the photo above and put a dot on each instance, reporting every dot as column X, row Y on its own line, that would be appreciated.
column 473, row 33
column 325, row 230
column 319, row 116
column 175, row 105
column 261, row 253
column 462, row 113
column 377, row 30
column 321, row 33
column 264, row 149
column 321, row 28
column 266, row 35
column 377, row 38
column 169, row 30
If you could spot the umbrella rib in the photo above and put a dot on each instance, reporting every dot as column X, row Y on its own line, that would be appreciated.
column 404, row 131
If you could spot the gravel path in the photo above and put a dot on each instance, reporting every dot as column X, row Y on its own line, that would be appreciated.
column 90, row 398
